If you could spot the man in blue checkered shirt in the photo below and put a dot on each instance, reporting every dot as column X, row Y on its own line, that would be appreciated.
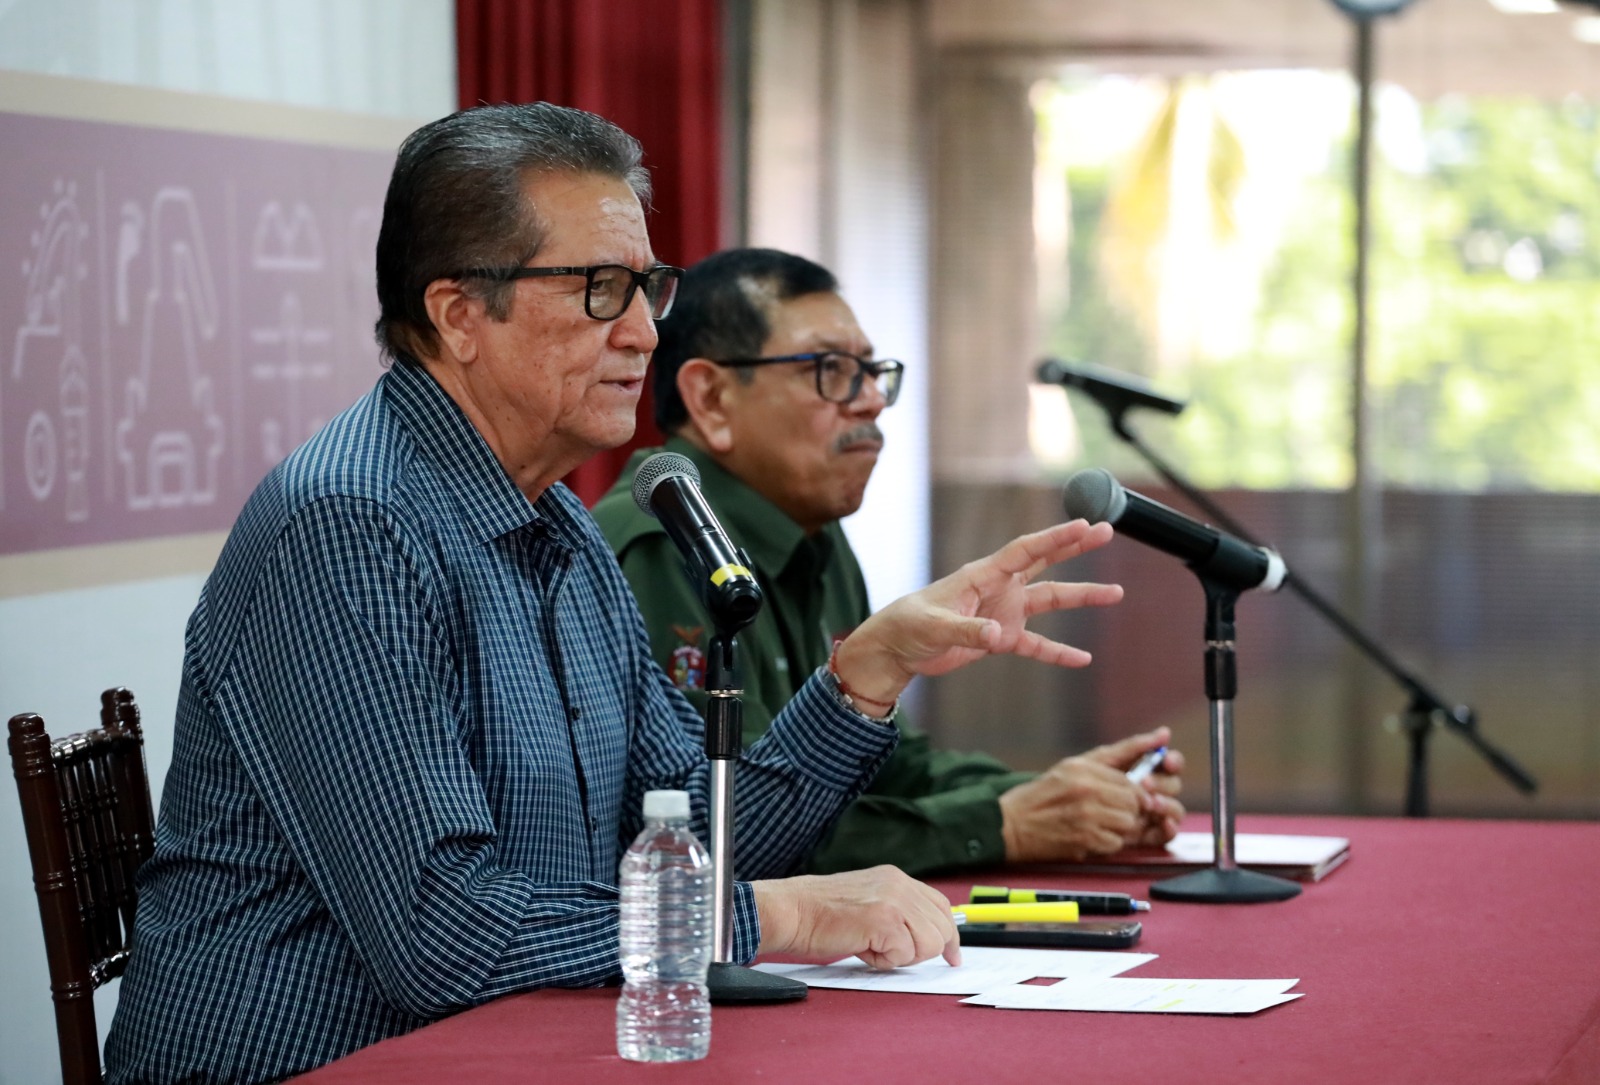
column 419, row 712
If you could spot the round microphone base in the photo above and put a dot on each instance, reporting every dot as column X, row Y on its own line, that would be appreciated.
column 1216, row 886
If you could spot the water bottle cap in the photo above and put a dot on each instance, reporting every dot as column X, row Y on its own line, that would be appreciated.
column 666, row 804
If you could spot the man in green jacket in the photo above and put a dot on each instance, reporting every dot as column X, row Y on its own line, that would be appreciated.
column 764, row 379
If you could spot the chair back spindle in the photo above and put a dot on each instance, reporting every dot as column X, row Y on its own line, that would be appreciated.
column 89, row 823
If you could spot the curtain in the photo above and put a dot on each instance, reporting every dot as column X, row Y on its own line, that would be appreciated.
column 653, row 68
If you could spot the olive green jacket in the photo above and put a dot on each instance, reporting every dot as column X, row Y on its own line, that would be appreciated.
column 928, row 809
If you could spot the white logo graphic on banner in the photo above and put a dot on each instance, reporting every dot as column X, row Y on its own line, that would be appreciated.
column 55, row 442
column 288, row 354
column 178, row 312
column 170, row 436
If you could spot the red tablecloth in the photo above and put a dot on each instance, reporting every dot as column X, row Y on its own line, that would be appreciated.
column 1443, row 951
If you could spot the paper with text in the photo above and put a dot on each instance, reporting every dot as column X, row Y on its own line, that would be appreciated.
column 981, row 968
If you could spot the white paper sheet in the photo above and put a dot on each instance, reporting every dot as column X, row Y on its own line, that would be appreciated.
column 981, row 968
column 1265, row 849
column 1141, row 995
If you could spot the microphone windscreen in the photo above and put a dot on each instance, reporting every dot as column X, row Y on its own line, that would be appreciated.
column 1093, row 495
column 655, row 470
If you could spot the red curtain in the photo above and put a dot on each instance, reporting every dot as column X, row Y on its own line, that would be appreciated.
column 653, row 68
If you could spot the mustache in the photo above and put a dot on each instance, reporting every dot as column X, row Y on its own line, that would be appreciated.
column 867, row 431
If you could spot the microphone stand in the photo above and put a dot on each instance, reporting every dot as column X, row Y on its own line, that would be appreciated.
column 726, row 981
column 1425, row 708
column 1224, row 882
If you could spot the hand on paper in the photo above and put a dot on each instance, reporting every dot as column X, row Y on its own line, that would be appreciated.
column 980, row 609
column 1085, row 805
column 881, row 915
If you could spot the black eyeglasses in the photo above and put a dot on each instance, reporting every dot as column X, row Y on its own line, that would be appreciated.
column 839, row 375
column 610, row 286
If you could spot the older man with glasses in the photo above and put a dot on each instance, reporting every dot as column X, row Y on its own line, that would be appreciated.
column 418, row 716
column 766, row 381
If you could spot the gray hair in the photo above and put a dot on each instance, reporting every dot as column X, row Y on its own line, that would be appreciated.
column 455, row 201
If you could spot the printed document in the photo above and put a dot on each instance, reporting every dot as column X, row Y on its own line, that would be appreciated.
column 982, row 968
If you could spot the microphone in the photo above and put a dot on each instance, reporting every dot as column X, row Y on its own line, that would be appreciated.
column 1094, row 496
column 667, row 488
column 1113, row 391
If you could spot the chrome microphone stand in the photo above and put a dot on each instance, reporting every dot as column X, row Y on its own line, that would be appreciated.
column 726, row 981
column 1225, row 882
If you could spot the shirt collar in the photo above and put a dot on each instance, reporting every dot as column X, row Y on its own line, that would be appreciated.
column 491, row 504
column 765, row 531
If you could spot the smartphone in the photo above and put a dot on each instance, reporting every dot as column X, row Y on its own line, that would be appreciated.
column 1085, row 934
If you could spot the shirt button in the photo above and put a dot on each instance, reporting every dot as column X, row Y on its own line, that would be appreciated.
column 574, row 713
column 974, row 848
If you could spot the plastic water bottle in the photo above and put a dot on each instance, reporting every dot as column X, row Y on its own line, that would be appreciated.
column 664, row 1014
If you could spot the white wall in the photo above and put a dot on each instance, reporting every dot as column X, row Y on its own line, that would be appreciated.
column 391, row 58
column 60, row 650
column 75, row 622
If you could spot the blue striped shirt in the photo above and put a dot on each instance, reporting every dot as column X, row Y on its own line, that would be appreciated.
column 417, row 721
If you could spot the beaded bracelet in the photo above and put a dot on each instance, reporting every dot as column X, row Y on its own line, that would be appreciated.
column 854, row 701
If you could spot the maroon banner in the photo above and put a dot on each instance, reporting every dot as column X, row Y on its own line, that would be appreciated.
column 178, row 311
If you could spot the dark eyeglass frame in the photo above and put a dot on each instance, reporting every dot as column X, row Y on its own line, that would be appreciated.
column 664, row 276
column 889, row 368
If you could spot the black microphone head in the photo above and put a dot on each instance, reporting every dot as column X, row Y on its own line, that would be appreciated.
column 657, row 469
column 1112, row 389
column 1093, row 495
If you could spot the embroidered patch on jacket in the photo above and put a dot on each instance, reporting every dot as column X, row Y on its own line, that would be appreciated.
column 687, row 666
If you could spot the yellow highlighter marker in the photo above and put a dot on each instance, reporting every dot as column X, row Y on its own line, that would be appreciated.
column 1089, row 903
column 1054, row 912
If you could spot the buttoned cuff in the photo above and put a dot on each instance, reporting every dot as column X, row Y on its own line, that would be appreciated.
column 833, row 745
column 746, row 923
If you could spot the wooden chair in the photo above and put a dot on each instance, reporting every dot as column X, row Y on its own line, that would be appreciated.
column 86, row 810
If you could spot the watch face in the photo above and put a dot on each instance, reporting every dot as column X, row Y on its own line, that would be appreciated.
column 1366, row 9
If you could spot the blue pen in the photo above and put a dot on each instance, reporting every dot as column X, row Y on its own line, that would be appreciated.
column 1147, row 764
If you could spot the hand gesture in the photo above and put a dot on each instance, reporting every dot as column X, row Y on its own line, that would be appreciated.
column 980, row 609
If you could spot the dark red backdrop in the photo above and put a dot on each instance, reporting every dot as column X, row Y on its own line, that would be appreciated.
column 655, row 69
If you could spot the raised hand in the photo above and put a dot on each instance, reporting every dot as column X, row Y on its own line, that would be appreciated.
column 980, row 609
